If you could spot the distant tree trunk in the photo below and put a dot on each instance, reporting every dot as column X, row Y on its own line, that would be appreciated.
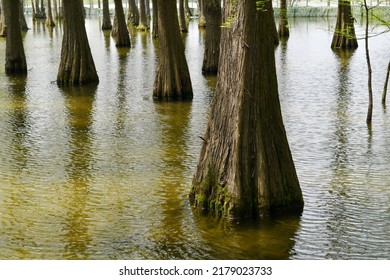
column 147, row 7
column 77, row 65
column 386, row 83
column 213, row 33
column 23, row 23
column 173, row 80
column 245, row 167
column 143, row 20
column 15, row 59
column 283, row 31
column 49, row 18
column 3, row 26
column 55, row 9
column 154, row 19
column 187, row 9
column 202, row 18
column 133, row 14
column 344, row 35
column 275, row 35
column 119, row 30
column 183, row 22
column 99, row 6
column 106, row 25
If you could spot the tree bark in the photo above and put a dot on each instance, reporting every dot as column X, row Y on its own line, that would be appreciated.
column 106, row 25
column 119, row 30
column 154, row 19
column 15, row 59
column 77, row 66
column 384, row 93
column 55, row 9
column 283, row 31
column 213, row 33
column 245, row 167
column 49, row 18
column 182, row 17
column 133, row 15
column 3, row 26
column 202, row 18
column 173, row 80
column 143, row 20
column 344, row 35
column 147, row 8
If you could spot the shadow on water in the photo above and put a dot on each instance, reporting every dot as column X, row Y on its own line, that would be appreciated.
column 79, row 106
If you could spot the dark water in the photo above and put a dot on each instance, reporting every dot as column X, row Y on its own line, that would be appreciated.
column 104, row 172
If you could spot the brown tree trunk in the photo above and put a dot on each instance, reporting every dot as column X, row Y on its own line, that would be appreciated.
column 154, row 19
column 22, row 18
column 283, row 31
column 55, row 9
column 384, row 93
column 213, row 33
column 369, row 69
column 143, row 20
column 202, row 18
column 119, row 30
column 173, row 80
column 3, row 26
column 182, row 17
column 133, row 15
column 15, row 59
column 344, row 35
column 49, row 18
column 245, row 167
column 147, row 8
column 187, row 9
column 275, row 35
column 106, row 25
column 77, row 66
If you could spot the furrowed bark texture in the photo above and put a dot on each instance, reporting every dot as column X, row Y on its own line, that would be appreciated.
column 173, row 80
column 213, row 34
column 15, row 59
column 245, row 167
column 344, row 35
column 77, row 65
column 119, row 30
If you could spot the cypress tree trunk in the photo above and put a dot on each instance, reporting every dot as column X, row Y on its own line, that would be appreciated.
column 202, row 18
column 119, row 30
column 173, row 80
column 106, row 25
column 245, row 167
column 283, row 31
column 3, row 27
column 384, row 93
column 55, row 9
column 77, row 66
column 344, row 35
column 213, row 33
column 143, row 20
column 183, row 22
column 187, row 9
column 154, row 19
column 49, row 18
column 147, row 7
column 133, row 15
column 369, row 69
column 15, row 59
column 22, row 18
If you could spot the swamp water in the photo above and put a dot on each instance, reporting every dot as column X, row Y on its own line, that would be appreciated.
column 104, row 172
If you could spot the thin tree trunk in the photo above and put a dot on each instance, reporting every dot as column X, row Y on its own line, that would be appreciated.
column 369, row 69
column 147, row 7
column 344, row 35
column 202, row 19
column 173, row 80
column 183, row 22
column 213, row 33
column 15, row 59
column 154, row 19
column 3, row 26
column 119, row 30
column 77, row 65
column 143, row 20
column 283, row 31
column 384, row 93
column 55, row 9
column 106, row 25
column 245, row 167
column 49, row 19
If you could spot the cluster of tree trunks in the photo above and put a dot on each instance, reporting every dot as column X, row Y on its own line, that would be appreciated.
column 245, row 167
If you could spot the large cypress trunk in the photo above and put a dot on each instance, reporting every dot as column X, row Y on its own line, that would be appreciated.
column 283, row 31
column 77, row 65
column 15, row 59
column 213, row 33
column 106, row 25
column 173, row 80
column 245, row 167
column 119, row 30
column 344, row 35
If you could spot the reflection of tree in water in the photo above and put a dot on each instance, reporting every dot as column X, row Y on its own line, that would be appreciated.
column 174, row 120
column 79, row 102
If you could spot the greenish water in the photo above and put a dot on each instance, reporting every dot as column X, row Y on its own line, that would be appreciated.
column 104, row 172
